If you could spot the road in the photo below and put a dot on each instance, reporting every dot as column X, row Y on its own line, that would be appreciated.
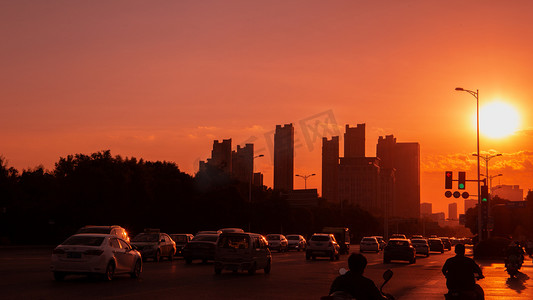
column 25, row 275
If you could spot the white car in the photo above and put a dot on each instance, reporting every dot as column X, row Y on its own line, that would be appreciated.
column 322, row 244
column 369, row 244
column 277, row 241
column 296, row 242
column 102, row 254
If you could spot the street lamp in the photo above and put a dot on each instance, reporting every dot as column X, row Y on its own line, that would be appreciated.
column 479, row 221
column 250, row 190
column 305, row 178
column 486, row 158
column 490, row 181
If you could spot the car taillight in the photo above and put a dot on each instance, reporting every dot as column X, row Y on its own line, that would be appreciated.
column 94, row 252
column 58, row 251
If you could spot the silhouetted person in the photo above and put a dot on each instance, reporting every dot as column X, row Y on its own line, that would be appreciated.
column 460, row 273
column 354, row 283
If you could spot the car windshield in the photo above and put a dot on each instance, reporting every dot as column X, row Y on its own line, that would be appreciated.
column 273, row 237
column 103, row 230
column 435, row 242
column 179, row 238
column 398, row 243
column 205, row 238
column 293, row 237
column 146, row 237
column 369, row 240
column 320, row 238
column 234, row 242
column 84, row 240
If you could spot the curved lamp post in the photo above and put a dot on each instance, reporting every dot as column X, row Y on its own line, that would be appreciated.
column 305, row 178
column 479, row 221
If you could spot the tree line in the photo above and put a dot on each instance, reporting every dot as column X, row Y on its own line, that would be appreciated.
column 38, row 206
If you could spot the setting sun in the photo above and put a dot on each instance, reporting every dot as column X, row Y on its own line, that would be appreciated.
column 498, row 119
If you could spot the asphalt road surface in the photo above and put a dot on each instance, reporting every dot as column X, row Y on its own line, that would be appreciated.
column 25, row 274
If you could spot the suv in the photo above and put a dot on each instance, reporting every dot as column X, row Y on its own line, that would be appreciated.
column 113, row 230
column 322, row 244
column 242, row 251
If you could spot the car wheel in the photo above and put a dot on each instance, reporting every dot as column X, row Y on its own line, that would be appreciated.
column 442, row 251
column 313, row 257
column 252, row 269
column 171, row 257
column 268, row 267
column 307, row 257
column 413, row 260
column 332, row 257
column 204, row 261
column 188, row 260
column 136, row 270
column 157, row 256
column 386, row 261
column 338, row 256
column 427, row 255
column 59, row 276
column 109, row 271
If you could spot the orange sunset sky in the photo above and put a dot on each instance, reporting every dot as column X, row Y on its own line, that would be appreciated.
column 160, row 80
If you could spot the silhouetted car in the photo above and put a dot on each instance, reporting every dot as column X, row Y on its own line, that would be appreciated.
column 322, row 244
column 181, row 239
column 398, row 236
column 242, row 251
column 399, row 249
column 112, row 229
column 103, row 254
column 278, row 242
column 381, row 242
column 369, row 244
column 421, row 246
column 154, row 244
column 202, row 246
column 435, row 244
column 446, row 242
column 296, row 242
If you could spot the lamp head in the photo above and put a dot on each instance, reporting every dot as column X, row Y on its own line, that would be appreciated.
column 459, row 89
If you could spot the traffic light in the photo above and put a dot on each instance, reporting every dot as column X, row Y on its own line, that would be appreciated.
column 462, row 180
column 484, row 194
column 448, row 180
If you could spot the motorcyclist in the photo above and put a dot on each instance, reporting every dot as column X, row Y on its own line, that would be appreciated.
column 354, row 283
column 460, row 273
column 515, row 249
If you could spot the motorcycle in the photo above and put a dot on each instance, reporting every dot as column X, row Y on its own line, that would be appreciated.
column 341, row 295
column 512, row 265
column 463, row 295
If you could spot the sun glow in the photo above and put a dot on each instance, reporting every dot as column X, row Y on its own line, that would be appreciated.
column 498, row 119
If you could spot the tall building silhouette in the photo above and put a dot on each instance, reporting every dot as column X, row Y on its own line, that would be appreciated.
column 330, row 169
column 404, row 158
column 284, row 158
column 360, row 182
column 220, row 156
column 354, row 141
column 452, row 211
column 243, row 162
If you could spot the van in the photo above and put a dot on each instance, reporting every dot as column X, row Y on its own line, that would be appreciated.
column 242, row 251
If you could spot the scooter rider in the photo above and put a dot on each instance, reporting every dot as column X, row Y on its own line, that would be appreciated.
column 354, row 283
column 459, row 271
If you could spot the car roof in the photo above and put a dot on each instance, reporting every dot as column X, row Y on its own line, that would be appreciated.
column 397, row 239
column 94, row 234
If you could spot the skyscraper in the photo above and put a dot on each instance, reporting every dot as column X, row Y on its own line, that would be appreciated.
column 284, row 158
column 426, row 209
column 221, row 155
column 452, row 211
column 243, row 162
column 360, row 182
column 330, row 169
column 405, row 159
column 354, row 141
